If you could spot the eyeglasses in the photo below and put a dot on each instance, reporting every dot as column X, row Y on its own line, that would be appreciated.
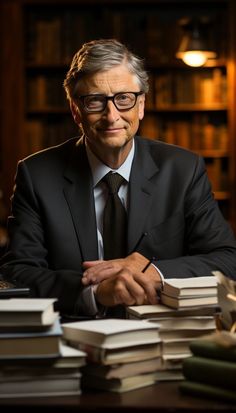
column 98, row 102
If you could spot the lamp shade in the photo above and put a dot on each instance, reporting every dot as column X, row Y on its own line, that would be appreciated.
column 193, row 48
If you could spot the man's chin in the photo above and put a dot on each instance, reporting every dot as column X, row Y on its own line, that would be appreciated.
column 114, row 141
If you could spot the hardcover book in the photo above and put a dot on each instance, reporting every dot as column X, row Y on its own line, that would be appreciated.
column 213, row 350
column 122, row 370
column 188, row 292
column 41, row 386
column 161, row 311
column 120, row 355
column 176, row 324
column 112, row 333
column 193, row 286
column 118, row 385
column 193, row 388
column 183, row 302
column 215, row 372
column 24, row 312
column 31, row 344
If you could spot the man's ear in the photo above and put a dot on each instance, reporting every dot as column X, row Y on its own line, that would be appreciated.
column 141, row 106
column 75, row 112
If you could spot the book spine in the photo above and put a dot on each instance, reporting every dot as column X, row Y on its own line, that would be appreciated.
column 210, row 371
column 94, row 354
column 204, row 390
column 212, row 350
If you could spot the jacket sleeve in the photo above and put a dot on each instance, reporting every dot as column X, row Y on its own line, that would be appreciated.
column 209, row 240
column 26, row 260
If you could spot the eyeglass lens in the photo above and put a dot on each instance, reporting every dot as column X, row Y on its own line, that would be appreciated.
column 123, row 101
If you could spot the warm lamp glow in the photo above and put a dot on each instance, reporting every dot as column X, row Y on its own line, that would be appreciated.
column 194, row 59
column 193, row 48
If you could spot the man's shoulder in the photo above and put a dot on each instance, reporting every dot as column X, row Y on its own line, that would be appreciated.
column 51, row 153
column 161, row 148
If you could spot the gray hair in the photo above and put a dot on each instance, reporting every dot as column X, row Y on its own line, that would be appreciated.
column 101, row 55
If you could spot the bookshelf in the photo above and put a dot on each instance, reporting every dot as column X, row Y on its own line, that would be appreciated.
column 190, row 107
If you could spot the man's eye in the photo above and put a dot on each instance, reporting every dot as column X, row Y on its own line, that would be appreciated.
column 94, row 100
column 123, row 98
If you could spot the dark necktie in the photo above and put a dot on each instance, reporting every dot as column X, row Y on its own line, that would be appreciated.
column 114, row 219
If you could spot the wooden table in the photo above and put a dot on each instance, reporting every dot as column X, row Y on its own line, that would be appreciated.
column 162, row 398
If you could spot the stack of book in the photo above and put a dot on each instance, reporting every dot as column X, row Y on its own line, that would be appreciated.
column 211, row 370
column 187, row 318
column 189, row 292
column 122, row 355
column 33, row 359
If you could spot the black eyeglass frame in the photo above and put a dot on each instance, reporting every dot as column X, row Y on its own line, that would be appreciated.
column 106, row 98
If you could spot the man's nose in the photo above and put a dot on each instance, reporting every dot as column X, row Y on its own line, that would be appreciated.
column 111, row 112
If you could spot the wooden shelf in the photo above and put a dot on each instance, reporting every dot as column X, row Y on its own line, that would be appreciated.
column 222, row 195
column 48, row 111
column 189, row 107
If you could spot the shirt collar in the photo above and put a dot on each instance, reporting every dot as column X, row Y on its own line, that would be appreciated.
column 99, row 169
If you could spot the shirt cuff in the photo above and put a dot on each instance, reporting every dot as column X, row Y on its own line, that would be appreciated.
column 86, row 303
column 160, row 274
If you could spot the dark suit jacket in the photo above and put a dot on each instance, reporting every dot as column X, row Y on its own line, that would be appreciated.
column 172, row 214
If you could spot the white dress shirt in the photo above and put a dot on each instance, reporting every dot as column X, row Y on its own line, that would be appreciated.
column 99, row 170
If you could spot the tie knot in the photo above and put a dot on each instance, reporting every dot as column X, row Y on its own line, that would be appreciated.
column 113, row 181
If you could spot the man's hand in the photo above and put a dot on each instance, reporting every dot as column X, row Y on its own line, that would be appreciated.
column 97, row 271
column 122, row 281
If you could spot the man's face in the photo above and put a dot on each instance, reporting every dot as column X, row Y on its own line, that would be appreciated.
column 111, row 129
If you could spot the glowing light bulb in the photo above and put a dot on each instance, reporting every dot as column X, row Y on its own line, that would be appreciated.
column 194, row 59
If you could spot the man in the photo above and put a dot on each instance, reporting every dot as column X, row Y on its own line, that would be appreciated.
column 56, row 227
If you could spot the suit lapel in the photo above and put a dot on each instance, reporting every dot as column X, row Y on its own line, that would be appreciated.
column 142, row 188
column 78, row 191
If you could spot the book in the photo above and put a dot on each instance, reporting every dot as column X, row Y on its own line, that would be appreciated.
column 186, row 323
column 111, row 333
column 188, row 292
column 193, row 286
column 70, row 357
column 41, row 386
column 193, row 388
column 118, row 385
column 215, row 372
column 183, row 333
column 176, row 346
column 31, row 344
column 173, row 361
column 169, row 375
column 120, row 355
column 122, row 370
column 182, row 302
column 161, row 310
column 43, row 377
column 211, row 349
column 20, row 312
